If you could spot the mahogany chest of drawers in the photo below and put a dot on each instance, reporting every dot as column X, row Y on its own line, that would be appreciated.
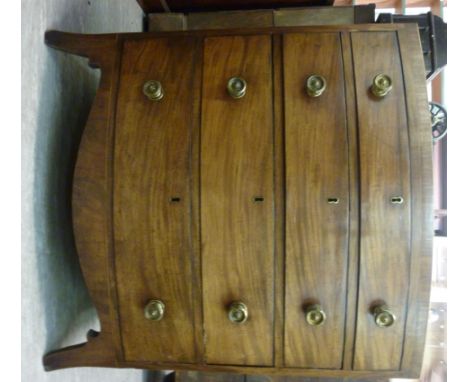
column 256, row 201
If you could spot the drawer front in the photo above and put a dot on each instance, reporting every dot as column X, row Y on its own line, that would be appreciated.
column 152, row 200
column 237, row 210
column 385, row 225
column 317, row 201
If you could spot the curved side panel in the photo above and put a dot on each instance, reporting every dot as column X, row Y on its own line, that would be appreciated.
column 420, row 140
column 92, row 202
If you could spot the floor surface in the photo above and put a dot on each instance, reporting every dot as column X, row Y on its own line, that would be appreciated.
column 57, row 92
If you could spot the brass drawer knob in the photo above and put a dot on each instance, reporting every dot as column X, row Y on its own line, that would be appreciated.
column 316, row 85
column 238, row 312
column 383, row 316
column 236, row 87
column 154, row 310
column 315, row 315
column 153, row 90
column 381, row 85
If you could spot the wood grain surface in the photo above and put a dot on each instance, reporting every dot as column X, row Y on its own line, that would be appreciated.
column 152, row 200
column 293, row 372
column 420, row 140
column 278, row 148
column 385, row 227
column 92, row 203
column 215, row 244
column 316, row 231
column 374, row 27
column 354, row 206
column 237, row 231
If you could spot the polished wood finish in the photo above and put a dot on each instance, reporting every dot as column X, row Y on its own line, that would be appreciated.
column 152, row 200
column 265, row 134
column 385, row 227
column 354, row 206
column 230, row 19
column 92, row 203
column 278, row 152
column 195, row 202
column 316, row 169
column 314, row 16
column 237, row 200
column 420, row 141
column 79, row 43
column 261, row 18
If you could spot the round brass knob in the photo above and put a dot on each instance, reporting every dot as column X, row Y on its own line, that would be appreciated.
column 238, row 312
column 315, row 315
column 381, row 85
column 236, row 87
column 153, row 90
column 316, row 85
column 383, row 317
column 154, row 310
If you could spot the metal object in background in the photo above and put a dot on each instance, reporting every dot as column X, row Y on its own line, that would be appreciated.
column 438, row 121
column 433, row 34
